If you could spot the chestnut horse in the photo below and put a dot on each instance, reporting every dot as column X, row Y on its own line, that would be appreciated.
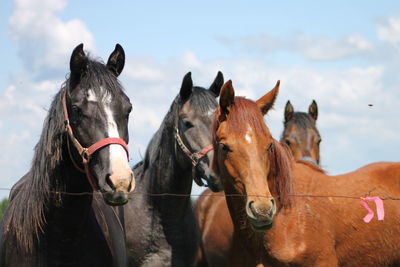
column 300, row 133
column 277, row 222
column 302, row 136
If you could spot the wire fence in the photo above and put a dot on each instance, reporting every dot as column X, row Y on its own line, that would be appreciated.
column 132, row 194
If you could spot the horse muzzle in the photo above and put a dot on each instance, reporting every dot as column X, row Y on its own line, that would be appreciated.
column 116, row 189
column 260, row 214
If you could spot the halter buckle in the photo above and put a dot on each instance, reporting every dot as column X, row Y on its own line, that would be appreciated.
column 85, row 154
column 66, row 124
column 195, row 160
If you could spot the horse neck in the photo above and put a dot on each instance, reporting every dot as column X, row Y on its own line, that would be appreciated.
column 165, row 173
column 169, row 168
column 235, row 205
column 242, row 230
column 74, row 208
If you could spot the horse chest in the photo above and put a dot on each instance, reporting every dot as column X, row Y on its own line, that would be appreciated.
column 287, row 241
column 156, row 239
column 71, row 242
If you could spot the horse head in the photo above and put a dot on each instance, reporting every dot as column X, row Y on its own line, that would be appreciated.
column 96, row 111
column 250, row 163
column 195, row 112
column 301, row 134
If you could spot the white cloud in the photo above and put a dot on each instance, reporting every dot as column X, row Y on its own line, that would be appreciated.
column 389, row 30
column 324, row 49
column 317, row 48
column 43, row 39
column 23, row 106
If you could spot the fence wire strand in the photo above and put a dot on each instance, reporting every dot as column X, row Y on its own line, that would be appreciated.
column 132, row 194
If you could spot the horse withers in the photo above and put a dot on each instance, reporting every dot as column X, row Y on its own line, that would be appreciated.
column 160, row 224
column 54, row 217
column 288, row 213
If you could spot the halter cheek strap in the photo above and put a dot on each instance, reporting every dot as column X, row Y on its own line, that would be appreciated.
column 86, row 153
column 196, row 156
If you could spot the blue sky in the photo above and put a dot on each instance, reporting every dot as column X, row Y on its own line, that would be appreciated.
column 343, row 54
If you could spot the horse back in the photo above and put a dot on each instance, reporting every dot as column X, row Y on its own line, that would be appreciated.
column 383, row 173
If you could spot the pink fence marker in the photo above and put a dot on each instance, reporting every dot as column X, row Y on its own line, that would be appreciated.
column 379, row 208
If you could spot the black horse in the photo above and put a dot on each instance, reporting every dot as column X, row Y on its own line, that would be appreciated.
column 161, row 229
column 54, row 218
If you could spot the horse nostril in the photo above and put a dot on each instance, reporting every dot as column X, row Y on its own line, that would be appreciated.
column 130, row 183
column 272, row 210
column 251, row 207
column 109, row 182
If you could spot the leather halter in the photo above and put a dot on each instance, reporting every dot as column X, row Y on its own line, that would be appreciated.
column 309, row 159
column 194, row 157
column 86, row 153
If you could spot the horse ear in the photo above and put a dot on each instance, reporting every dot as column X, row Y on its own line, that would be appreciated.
column 116, row 61
column 313, row 110
column 266, row 102
column 215, row 87
column 187, row 86
column 77, row 65
column 289, row 110
column 227, row 97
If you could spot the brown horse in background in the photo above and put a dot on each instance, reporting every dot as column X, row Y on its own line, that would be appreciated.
column 277, row 222
column 302, row 136
column 300, row 133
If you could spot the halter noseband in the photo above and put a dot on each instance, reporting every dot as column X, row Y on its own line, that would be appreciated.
column 194, row 157
column 86, row 153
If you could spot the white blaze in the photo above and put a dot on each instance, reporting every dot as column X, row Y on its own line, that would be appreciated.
column 91, row 96
column 247, row 136
column 119, row 168
column 117, row 152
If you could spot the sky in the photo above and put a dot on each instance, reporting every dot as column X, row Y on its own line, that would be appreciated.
column 343, row 54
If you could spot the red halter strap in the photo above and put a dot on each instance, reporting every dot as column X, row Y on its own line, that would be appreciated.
column 194, row 157
column 84, row 152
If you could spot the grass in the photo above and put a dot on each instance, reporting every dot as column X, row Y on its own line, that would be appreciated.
column 3, row 206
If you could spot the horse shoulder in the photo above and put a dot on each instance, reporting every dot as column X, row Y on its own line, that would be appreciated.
column 302, row 232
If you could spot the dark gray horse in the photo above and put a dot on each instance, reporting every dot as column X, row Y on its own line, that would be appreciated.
column 53, row 218
column 161, row 229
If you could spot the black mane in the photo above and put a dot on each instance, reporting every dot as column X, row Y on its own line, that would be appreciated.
column 37, row 190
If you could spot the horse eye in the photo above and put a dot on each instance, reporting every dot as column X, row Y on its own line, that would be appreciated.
column 287, row 142
column 187, row 124
column 319, row 142
column 225, row 147
column 76, row 114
